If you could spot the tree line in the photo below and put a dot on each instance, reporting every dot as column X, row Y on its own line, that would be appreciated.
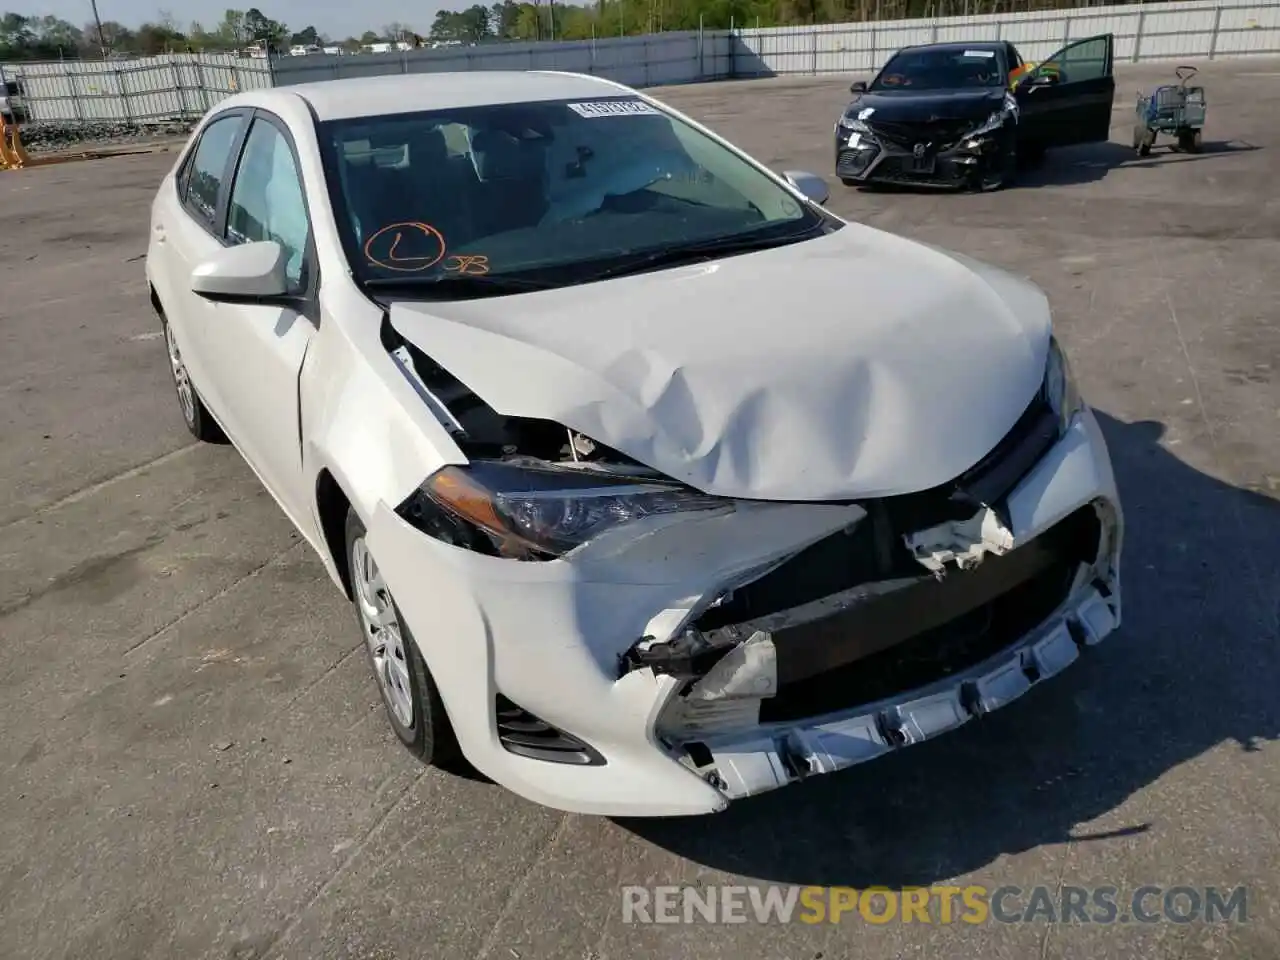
column 50, row 38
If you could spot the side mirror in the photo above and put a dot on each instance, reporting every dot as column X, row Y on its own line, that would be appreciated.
column 858, row 86
column 810, row 184
column 247, row 273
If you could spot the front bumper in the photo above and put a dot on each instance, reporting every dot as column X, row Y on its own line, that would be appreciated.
column 550, row 637
column 868, row 158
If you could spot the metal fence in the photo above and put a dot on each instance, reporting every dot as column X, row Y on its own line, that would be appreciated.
column 166, row 89
column 1142, row 32
column 147, row 90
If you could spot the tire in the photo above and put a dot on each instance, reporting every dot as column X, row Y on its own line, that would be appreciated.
column 409, row 693
column 1005, row 178
column 1145, row 144
column 194, row 413
column 1189, row 141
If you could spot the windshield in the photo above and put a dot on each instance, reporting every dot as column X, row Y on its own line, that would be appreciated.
column 550, row 191
column 945, row 68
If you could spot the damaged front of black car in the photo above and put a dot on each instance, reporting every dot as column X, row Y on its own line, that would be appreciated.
column 938, row 116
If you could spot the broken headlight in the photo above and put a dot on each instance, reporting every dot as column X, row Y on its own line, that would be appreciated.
column 531, row 511
column 1060, row 390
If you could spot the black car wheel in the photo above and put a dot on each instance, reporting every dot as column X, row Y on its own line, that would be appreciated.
column 998, row 173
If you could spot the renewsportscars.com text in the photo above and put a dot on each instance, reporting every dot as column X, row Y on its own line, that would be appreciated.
column 934, row 905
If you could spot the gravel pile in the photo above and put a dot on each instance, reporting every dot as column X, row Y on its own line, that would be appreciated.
column 51, row 137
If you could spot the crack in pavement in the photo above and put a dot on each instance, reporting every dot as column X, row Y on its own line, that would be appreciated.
column 277, row 939
column 212, row 597
column 84, row 492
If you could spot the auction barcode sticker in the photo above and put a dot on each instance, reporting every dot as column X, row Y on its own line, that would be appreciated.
column 612, row 108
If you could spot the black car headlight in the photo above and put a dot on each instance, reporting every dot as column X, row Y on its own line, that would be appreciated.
column 535, row 512
column 847, row 125
column 1060, row 390
column 989, row 125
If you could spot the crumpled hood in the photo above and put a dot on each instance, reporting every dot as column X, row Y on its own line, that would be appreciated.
column 854, row 365
column 906, row 106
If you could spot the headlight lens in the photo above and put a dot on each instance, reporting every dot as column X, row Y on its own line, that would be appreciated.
column 552, row 510
column 853, row 123
column 1060, row 388
column 993, row 122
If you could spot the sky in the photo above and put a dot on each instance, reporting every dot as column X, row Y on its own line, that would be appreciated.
column 338, row 18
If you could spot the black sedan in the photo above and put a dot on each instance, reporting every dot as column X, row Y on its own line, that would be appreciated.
column 967, row 114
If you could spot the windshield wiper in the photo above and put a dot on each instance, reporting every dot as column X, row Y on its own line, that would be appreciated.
column 461, row 286
column 696, row 252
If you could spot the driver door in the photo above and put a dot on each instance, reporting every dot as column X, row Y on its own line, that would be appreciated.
column 1067, row 98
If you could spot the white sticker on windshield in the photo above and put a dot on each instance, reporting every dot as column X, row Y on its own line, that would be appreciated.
column 863, row 114
column 612, row 108
column 984, row 54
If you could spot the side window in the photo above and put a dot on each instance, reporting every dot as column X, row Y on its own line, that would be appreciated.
column 208, row 166
column 1085, row 60
column 266, row 199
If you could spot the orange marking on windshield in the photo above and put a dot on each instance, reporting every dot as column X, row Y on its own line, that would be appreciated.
column 475, row 265
column 389, row 239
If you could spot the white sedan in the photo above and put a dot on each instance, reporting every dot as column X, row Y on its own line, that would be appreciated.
column 653, row 483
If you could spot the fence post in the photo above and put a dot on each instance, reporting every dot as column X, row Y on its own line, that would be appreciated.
column 204, row 87
column 1137, row 39
column 235, row 77
column 75, row 92
column 179, row 90
column 701, row 69
column 733, row 50
column 646, row 59
column 1066, row 30
column 813, row 53
column 933, row 31
column 122, row 81
column 1213, row 37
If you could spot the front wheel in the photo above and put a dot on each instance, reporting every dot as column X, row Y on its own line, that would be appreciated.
column 1000, row 174
column 414, row 707
column 194, row 413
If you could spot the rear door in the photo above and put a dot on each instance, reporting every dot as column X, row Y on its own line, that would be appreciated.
column 187, row 233
column 1067, row 98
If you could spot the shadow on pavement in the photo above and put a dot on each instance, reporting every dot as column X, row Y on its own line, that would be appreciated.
column 1192, row 667
column 1093, row 161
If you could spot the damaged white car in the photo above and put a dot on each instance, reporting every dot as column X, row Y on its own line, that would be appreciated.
column 654, row 484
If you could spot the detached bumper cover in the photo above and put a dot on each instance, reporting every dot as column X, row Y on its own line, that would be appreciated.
column 770, row 759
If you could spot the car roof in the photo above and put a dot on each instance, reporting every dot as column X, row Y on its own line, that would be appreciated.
column 961, row 45
column 382, row 96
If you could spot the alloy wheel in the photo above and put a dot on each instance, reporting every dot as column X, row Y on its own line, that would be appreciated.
column 181, row 379
column 382, row 633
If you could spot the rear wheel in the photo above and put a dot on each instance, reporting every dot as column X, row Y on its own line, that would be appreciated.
column 1146, row 142
column 409, row 693
column 194, row 413
column 1189, row 141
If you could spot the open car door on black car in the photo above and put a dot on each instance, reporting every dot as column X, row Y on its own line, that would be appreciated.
column 1067, row 98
